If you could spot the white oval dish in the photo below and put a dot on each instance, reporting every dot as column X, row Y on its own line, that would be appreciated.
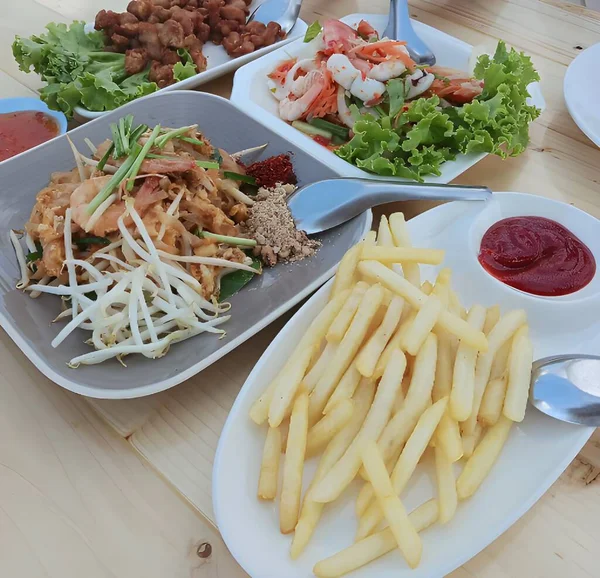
column 581, row 92
column 218, row 63
column 537, row 452
column 250, row 91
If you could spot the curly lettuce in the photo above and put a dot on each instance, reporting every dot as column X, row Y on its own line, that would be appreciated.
column 414, row 143
column 78, row 70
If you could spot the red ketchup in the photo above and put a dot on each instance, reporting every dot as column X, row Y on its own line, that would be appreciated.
column 20, row 131
column 536, row 255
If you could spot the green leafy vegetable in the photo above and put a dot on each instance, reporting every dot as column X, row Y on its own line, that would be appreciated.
column 233, row 282
column 92, row 240
column 239, row 177
column 186, row 68
column 313, row 31
column 35, row 255
column 414, row 143
column 78, row 70
column 208, row 164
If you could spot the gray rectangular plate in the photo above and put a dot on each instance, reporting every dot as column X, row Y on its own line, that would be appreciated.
column 28, row 321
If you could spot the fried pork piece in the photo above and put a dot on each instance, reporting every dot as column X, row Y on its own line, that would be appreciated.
column 149, row 40
column 171, row 34
column 136, row 60
column 162, row 74
column 142, row 9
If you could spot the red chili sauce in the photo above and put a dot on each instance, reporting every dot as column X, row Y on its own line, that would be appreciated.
column 20, row 131
column 536, row 255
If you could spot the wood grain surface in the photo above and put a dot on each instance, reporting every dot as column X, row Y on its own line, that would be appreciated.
column 92, row 488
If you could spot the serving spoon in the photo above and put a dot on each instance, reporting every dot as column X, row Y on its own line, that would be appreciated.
column 567, row 387
column 399, row 27
column 325, row 204
column 284, row 12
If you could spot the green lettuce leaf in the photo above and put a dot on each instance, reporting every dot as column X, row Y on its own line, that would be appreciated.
column 78, row 70
column 414, row 143
column 313, row 31
column 186, row 68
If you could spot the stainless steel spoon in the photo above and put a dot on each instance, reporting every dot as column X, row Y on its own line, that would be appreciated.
column 284, row 12
column 399, row 27
column 567, row 387
column 325, row 204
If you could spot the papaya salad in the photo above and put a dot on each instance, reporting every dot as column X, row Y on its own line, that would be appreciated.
column 364, row 98
column 144, row 239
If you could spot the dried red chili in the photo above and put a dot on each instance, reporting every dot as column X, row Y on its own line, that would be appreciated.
column 273, row 170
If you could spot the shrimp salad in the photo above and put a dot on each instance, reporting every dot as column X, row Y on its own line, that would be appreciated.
column 364, row 98
column 136, row 239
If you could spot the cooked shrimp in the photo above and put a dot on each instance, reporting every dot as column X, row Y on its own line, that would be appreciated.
column 384, row 50
column 147, row 195
column 339, row 37
column 454, row 85
column 387, row 70
column 291, row 109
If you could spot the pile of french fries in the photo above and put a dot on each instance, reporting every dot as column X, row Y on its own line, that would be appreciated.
column 389, row 368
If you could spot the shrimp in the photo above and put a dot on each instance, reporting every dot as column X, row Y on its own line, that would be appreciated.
column 387, row 70
column 383, row 50
column 291, row 109
column 147, row 195
column 366, row 31
column 454, row 85
column 339, row 37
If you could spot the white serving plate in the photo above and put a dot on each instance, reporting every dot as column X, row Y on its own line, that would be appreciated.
column 581, row 87
column 537, row 452
column 218, row 63
column 250, row 91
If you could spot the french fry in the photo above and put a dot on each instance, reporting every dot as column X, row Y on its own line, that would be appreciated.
column 269, row 468
column 444, row 369
column 407, row 462
column 393, row 343
column 401, row 238
column 344, row 471
column 399, row 401
column 447, row 437
column 311, row 511
column 403, row 255
column 284, row 429
column 384, row 235
column 493, row 401
column 485, row 455
column 422, row 325
column 443, row 280
column 287, row 386
column 369, row 355
column 492, row 316
column 293, row 465
column 345, row 352
column 470, row 441
column 446, row 486
column 375, row 546
column 405, row 534
column 500, row 363
column 311, row 379
column 342, row 321
column 398, row 429
column 519, row 376
column 259, row 411
column 370, row 239
column 463, row 379
column 345, row 276
column 416, row 298
column 454, row 304
column 323, row 431
column 502, row 332
column 345, row 388
column 426, row 288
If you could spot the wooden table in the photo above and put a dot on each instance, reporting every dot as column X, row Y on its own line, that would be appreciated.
column 76, row 498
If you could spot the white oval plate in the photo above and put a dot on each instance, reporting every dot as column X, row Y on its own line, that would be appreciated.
column 250, row 92
column 581, row 86
column 537, row 452
column 218, row 63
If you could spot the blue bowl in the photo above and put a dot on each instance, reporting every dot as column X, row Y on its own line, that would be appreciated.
column 30, row 103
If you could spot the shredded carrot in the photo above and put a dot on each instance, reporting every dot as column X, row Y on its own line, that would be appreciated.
column 326, row 102
column 280, row 73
